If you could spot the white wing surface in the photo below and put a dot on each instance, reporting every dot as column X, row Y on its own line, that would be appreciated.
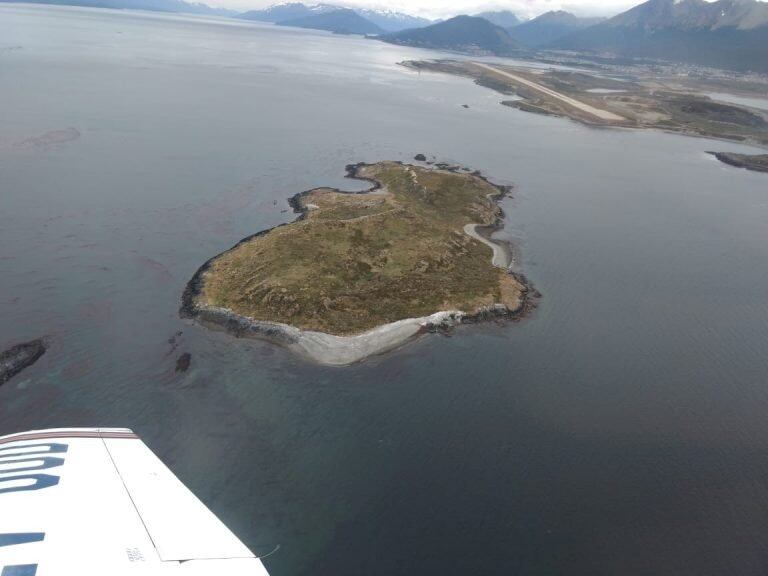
column 98, row 502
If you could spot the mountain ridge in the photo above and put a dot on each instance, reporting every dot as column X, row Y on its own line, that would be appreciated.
column 461, row 33
column 172, row 6
column 730, row 34
column 341, row 21
column 503, row 18
column 286, row 11
column 387, row 20
column 391, row 20
column 549, row 27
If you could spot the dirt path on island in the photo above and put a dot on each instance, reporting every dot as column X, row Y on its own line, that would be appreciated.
column 500, row 257
column 591, row 110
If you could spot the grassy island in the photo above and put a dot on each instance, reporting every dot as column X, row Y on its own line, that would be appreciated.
column 406, row 248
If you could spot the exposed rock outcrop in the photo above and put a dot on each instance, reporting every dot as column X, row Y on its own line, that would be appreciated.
column 19, row 357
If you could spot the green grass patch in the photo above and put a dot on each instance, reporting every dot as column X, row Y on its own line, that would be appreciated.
column 361, row 260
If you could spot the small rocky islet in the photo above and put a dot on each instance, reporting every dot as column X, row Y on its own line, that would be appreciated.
column 19, row 357
column 358, row 273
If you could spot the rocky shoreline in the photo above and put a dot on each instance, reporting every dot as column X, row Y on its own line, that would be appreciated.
column 333, row 350
column 756, row 162
column 19, row 357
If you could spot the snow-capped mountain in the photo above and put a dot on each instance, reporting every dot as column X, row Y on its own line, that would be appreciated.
column 392, row 21
column 387, row 20
column 287, row 11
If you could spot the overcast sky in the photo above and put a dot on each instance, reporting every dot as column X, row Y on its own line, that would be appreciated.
column 448, row 8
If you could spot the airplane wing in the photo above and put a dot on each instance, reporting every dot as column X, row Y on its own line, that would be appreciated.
column 98, row 502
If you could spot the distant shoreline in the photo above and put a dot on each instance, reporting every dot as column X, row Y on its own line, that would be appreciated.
column 682, row 111
column 753, row 162
column 335, row 350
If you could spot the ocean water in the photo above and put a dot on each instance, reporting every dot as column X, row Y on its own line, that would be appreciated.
column 621, row 429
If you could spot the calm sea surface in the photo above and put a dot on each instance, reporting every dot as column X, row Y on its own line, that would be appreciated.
column 623, row 429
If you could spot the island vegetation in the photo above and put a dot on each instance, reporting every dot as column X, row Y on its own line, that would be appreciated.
column 410, row 248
